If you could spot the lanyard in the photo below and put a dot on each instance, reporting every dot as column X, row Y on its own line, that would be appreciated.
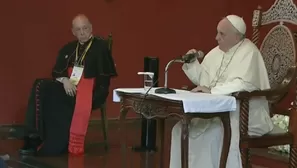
column 84, row 53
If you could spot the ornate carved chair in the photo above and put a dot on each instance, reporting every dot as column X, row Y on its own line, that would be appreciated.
column 279, row 53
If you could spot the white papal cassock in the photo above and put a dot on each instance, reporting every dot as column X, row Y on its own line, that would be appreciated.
column 240, row 69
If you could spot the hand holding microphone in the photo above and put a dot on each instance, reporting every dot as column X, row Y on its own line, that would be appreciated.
column 191, row 55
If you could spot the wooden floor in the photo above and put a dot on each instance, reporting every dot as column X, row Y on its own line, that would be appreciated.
column 97, row 157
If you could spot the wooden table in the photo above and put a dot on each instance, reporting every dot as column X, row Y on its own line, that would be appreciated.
column 160, row 109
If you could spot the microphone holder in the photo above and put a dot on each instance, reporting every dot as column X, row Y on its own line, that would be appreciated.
column 165, row 89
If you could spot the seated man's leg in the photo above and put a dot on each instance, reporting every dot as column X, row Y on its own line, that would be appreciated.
column 48, row 116
column 205, row 142
column 58, row 111
column 33, row 124
column 56, row 115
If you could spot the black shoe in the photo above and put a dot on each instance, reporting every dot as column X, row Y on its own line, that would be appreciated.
column 30, row 145
column 27, row 151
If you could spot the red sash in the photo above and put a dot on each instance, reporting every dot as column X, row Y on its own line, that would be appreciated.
column 81, row 115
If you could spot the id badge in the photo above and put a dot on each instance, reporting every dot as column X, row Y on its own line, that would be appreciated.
column 76, row 74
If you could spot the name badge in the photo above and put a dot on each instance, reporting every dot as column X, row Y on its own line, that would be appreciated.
column 76, row 74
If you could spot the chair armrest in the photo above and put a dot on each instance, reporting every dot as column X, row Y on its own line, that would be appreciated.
column 247, row 95
column 273, row 95
column 270, row 94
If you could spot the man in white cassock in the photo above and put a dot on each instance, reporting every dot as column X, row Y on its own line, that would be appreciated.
column 236, row 64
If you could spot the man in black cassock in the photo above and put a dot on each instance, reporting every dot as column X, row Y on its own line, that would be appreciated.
column 52, row 102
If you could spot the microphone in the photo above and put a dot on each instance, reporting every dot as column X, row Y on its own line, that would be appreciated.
column 188, row 58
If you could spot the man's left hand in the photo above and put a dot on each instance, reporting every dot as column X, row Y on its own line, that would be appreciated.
column 202, row 89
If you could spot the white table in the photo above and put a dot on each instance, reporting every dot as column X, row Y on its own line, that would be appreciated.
column 184, row 105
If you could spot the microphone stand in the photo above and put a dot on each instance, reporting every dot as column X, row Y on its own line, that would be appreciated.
column 165, row 89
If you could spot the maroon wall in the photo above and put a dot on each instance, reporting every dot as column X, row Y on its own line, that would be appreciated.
column 33, row 31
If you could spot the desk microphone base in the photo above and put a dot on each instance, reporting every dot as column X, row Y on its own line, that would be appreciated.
column 165, row 91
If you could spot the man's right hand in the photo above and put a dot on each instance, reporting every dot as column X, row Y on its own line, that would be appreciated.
column 70, row 89
column 192, row 51
column 186, row 57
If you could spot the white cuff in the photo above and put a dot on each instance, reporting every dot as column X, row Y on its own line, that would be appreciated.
column 60, row 79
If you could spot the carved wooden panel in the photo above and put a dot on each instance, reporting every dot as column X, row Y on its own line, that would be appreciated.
column 280, row 11
column 278, row 47
column 278, row 51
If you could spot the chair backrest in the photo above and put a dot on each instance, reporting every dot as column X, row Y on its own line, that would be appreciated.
column 109, row 42
column 278, row 47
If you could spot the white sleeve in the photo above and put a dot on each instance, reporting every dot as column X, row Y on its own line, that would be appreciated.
column 236, row 85
column 193, row 71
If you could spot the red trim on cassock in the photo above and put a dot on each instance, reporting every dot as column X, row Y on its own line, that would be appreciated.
column 37, row 104
column 40, row 146
column 81, row 115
